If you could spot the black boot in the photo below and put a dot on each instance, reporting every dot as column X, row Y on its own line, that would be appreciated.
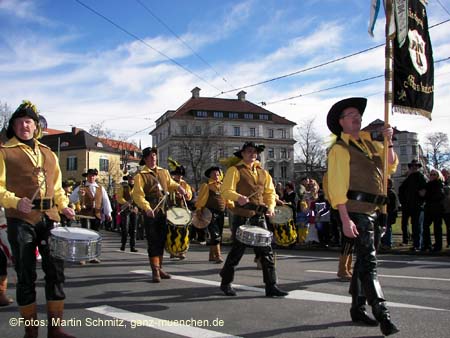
column 382, row 314
column 227, row 290
column 274, row 291
column 360, row 315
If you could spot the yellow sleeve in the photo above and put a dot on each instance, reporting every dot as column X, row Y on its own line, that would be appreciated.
column 172, row 185
column 188, row 189
column 228, row 189
column 60, row 197
column 202, row 197
column 8, row 199
column 269, row 192
column 338, row 175
column 120, row 198
column 138, row 193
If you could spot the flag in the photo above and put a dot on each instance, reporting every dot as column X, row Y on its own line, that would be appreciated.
column 413, row 66
column 374, row 9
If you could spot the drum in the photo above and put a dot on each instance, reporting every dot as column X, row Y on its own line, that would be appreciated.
column 202, row 219
column 179, row 217
column 283, row 214
column 285, row 234
column 253, row 235
column 177, row 240
column 74, row 244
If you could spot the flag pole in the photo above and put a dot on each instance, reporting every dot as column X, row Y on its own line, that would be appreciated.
column 388, row 80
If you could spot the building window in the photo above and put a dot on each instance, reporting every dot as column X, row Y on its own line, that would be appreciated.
column 220, row 154
column 72, row 163
column 283, row 153
column 201, row 113
column 233, row 115
column 271, row 172
column 403, row 150
column 252, row 132
column 237, row 131
column 414, row 150
column 248, row 116
column 198, row 130
column 270, row 133
column 218, row 114
column 220, row 130
column 183, row 130
column 283, row 133
column 263, row 117
column 271, row 153
column 283, row 172
column 104, row 164
column 64, row 144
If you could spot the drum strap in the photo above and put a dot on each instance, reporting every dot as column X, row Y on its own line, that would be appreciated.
column 259, row 209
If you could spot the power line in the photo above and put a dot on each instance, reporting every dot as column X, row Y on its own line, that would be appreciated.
column 314, row 67
column 181, row 40
column 144, row 42
column 335, row 87
column 443, row 7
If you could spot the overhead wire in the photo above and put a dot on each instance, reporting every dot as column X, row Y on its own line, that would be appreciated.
column 145, row 43
column 182, row 41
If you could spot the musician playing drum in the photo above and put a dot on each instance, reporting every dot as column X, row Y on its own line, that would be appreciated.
column 32, row 195
column 150, row 190
column 251, row 189
column 128, row 213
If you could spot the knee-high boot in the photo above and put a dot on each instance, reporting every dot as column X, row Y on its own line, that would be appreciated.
column 343, row 273
column 154, row 264
column 212, row 254
column 29, row 313
column 4, row 299
column 55, row 310
column 162, row 273
column 217, row 254
column 382, row 314
column 358, row 311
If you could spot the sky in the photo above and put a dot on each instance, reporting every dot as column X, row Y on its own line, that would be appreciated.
column 124, row 63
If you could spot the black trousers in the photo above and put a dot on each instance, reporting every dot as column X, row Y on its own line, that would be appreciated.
column 3, row 264
column 156, row 229
column 215, row 228
column 416, row 227
column 23, row 238
column 364, row 284
column 128, row 228
column 93, row 224
column 238, row 250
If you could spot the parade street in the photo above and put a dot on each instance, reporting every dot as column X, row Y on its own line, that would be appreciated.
column 116, row 298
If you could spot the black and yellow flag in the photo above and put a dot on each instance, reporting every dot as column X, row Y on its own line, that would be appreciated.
column 413, row 65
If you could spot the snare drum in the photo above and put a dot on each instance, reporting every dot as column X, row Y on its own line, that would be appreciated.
column 177, row 240
column 253, row 235
column 179, row 217
column 283, row 214
column 285, row 234
column 74, row 244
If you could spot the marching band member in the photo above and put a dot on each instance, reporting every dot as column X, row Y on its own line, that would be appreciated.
column 128, row 212
column 150, row 190
column 209, row 197
column 177, row 172
column 32, row 195
column 251, row 189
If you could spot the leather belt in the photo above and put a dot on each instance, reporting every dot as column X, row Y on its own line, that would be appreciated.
column 366, row 197
column 43, row 204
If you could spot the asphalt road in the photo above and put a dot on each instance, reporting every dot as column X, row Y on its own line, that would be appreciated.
column 117, row 299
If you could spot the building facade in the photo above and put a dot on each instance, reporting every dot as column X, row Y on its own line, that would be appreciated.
column 204, row 130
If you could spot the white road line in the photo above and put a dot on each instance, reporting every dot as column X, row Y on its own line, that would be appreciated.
column 391, row 276
column 172, row 326
column 295, row 294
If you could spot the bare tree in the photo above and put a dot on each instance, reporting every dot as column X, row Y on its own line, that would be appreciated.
column 5, row 115
column 98, row 130
column 437, row 149
column 309, row 149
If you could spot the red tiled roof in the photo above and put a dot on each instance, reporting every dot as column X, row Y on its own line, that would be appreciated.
column 226, row 105
column 120, row 144
column 50, row 131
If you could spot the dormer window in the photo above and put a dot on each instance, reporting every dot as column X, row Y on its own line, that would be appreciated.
column 99, row 145
column 64, row 144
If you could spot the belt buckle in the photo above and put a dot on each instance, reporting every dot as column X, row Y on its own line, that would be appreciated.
column 45, row 204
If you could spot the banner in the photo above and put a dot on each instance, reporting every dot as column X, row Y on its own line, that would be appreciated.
column 413, row 66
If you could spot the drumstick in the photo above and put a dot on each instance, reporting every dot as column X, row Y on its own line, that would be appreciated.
column 162, row 199
column 253, row 194
column 37, row 191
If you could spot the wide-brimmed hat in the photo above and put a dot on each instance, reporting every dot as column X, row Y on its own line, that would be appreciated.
column 201, row 220
column 335, row 112
column 26, row 109
column 209, row 170
column 146, row 152
column 259, row 148
column 178, row 171
column 90, row 172
column 415, row 163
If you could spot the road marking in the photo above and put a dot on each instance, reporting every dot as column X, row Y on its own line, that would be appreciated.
column 172, row 326
column 295, row 294
column 391, row 276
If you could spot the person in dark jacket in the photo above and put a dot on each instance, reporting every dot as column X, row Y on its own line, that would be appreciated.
column 434, row 197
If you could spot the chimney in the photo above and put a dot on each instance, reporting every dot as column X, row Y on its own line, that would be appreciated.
column 195, row 93
column 241, row 95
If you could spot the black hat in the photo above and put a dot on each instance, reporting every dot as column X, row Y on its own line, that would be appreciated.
column 259, row 148
column 26, row 109
column 415, row 163
column 179, row 170
column 146, row 152
column 127, row 177
column 209, row 170
column 66, row 184
column 336, row 111
column 90, row 172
